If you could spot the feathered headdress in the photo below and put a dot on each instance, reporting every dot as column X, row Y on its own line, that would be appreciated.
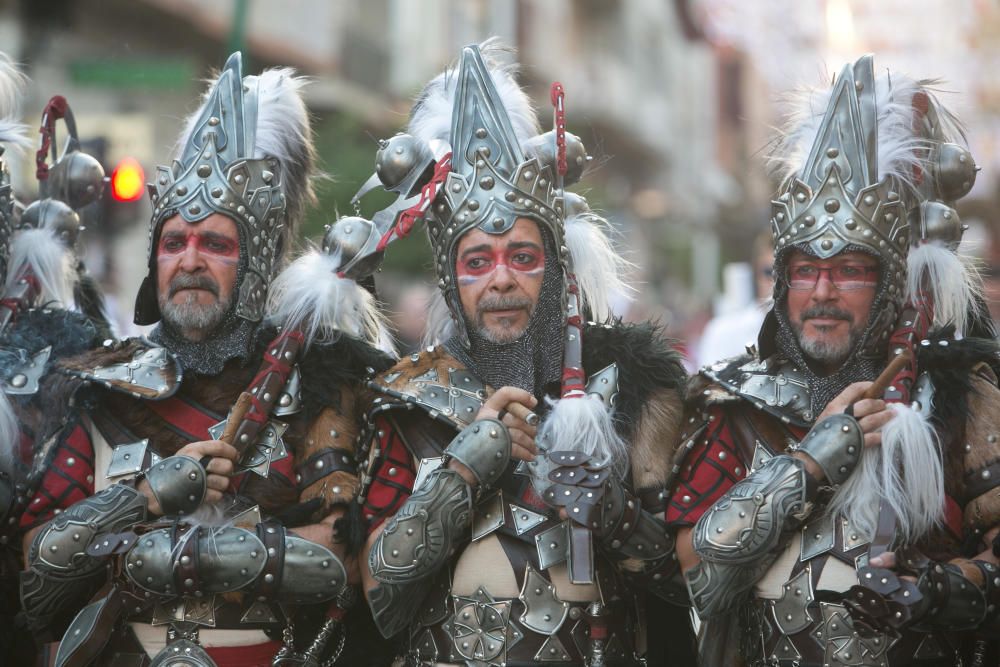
column 247, row 153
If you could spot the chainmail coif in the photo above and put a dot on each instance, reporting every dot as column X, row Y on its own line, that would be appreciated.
column 866, row 359
column 533, row 360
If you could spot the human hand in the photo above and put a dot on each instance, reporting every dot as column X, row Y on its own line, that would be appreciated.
column 522, row 434
column 872, row 413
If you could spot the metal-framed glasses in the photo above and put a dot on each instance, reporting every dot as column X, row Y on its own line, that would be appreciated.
column 843, row 276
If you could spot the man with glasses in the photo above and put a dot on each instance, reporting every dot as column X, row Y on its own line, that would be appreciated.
column 837, row 503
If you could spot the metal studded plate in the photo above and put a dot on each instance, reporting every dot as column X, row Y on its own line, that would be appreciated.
column 426, row 467
column 553, row 545
column 791, row 610
column 259, row 612
column 149, row 369
column 488, row 516
column 127, row 459
column 552, row 651
column 270, row 447
column 478, row 628
column 818, row 537
column 525, row 519
column 544, row 612
column 761, row 455
column 852, row 536
column 182, row 653
column 604, row 383
column 290, row 400
column 23, row 380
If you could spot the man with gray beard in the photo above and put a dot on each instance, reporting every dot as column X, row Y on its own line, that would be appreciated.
column 219, row 414
column 507, row 527
column 837, row 501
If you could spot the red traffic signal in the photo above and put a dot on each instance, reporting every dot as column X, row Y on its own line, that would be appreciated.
column 127, row 180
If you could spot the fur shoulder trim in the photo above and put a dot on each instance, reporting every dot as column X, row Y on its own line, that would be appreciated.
column 330, row 368
column 952, row 366
column 651, row 382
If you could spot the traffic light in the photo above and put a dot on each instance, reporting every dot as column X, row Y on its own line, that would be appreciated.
column 127, row 180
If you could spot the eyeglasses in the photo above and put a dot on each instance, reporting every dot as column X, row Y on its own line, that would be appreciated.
column 843, row 276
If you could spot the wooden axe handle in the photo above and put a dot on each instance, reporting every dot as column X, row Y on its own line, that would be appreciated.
column 883, row 381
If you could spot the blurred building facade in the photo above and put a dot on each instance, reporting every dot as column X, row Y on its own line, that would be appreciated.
column 674, row 98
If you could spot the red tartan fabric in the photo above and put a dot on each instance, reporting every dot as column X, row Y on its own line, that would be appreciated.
column 393, row 479
column 67, row 480
column 708, row 471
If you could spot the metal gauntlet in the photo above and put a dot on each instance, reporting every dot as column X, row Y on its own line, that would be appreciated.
column 835, row 444
column 178, row 483
column 944, row 598
column 61, row 574
column 417, row 542
column 268, row 562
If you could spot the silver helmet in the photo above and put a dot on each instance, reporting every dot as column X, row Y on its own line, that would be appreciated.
column 246, row 153
column 875, row 163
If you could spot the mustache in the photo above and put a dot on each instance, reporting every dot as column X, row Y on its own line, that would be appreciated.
column 826, row 312
column 193, row 281
column 491, row 303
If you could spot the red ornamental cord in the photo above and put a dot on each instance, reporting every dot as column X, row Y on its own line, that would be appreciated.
column 54, row 110
column 409, row 217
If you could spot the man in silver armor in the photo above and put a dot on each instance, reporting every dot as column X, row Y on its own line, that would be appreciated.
column 164, row 530
column 837, row 504
column 495, row 539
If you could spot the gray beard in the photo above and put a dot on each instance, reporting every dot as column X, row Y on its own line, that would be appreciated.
column 189, row 315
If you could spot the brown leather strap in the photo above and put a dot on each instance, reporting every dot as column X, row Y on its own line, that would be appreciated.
column 272, row 534
column 324, row 462
column 425, row 438
column 186, row 566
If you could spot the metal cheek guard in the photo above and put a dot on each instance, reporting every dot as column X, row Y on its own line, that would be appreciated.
column 179, row 484
column 484, row 448
column 835, row 444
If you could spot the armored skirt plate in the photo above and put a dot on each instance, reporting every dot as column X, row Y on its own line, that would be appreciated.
column 544, row 612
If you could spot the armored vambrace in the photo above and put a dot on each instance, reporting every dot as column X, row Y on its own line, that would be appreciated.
column 740, row 535
column 63, row 571
column 599, row 501
column 430, row 526
column 61, row 574
column 961, row 595
column 266, row 561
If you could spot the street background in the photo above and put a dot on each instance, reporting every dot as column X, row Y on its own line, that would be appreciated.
column 673, row 98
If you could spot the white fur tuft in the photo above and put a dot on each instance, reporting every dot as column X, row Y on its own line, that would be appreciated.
column 49, row 261
column 598, row 268
column 309, row 296
column 9, row 436
column 952, row 279
column 12, row 82
column 440, row 324
column 904, row 472
column 430, row 118
column 580, row 425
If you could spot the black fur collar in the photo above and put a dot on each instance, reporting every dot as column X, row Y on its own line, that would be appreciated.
column 950, row 363
column 647, row 363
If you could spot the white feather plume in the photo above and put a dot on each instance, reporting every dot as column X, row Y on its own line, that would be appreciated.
column 440, row 325
column 598, row 267
column 9, row 436
column 309, row 296
column 952, row 278
column 899, row 148
column 430, row 117
column 905, row 472
column 12, row 82
column 50, row 262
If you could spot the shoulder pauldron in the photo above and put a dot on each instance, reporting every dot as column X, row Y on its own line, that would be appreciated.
column 151, row 373
column 435, row 382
